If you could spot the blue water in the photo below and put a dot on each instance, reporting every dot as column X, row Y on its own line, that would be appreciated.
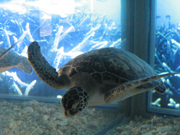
column 68, row 27
column 168, row 7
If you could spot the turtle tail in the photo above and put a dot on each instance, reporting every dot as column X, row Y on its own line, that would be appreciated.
column 43, row 69
column 24, row 66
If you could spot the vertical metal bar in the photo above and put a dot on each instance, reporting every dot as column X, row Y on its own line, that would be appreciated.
column 138, row 29
column 127, row 41
column 144, row 29
column 0, row 126
column 144, row 45
column 127, row 25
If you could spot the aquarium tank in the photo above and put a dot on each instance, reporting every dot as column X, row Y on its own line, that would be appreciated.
column 64, row 29
column 167, row 58
column 54, row 32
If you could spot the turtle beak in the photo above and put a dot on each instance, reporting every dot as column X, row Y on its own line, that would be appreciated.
column 70, row 107
column 70, row 113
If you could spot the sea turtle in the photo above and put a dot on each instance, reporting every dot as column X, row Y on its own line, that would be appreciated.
column 97, row 77
column 9, row 60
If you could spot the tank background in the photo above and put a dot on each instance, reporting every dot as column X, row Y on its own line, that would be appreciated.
column 167, row 50
column 15, row 23
column 166, row 7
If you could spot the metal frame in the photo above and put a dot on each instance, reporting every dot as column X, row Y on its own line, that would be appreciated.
column 154, row 109
column 138, row 29
column 139, row 32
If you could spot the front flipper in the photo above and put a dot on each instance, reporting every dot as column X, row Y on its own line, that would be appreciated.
column 131, row 88
column 43, row 69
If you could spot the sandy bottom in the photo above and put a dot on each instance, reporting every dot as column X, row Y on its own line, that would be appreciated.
column 153, row 126
column 38, row 118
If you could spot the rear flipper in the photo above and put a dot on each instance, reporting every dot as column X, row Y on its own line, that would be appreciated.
column 134, row 87
column 161, row 88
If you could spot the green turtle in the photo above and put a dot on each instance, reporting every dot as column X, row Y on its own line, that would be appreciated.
column 9, row 60
column 101, row 76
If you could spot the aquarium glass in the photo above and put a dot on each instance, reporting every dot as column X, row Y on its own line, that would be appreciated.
column 167, row 53
column 63, row 28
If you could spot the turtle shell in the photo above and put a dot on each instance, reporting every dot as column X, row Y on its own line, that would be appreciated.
column 108, row 66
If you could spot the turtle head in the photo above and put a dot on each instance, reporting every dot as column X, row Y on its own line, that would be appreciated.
column 74, row 101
